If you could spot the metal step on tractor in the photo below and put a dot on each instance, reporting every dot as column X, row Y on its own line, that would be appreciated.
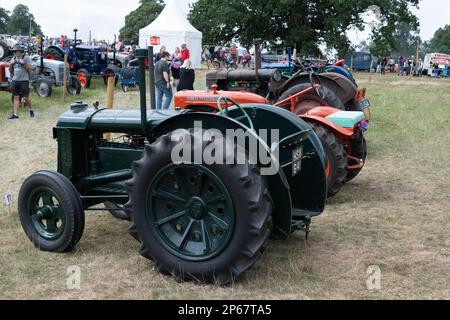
column 204, row 191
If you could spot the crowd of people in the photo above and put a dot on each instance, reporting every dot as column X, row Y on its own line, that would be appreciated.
column 227, row 56
column 403, row 66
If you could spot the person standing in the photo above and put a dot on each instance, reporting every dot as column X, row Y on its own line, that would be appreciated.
column 20, row 69
column 162, row 79
column 187, row 76
column 176, row 60
column 384, row 63
column 401, row 66
column 185, row 53
column 159, row 54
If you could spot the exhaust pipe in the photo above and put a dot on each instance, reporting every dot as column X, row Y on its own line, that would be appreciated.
column 151, row 70
column 142, row 54
column 258, row 59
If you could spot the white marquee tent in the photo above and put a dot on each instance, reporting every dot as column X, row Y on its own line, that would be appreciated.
column 173, row 29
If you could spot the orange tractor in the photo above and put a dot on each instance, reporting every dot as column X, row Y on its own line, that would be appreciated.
column 341, row 132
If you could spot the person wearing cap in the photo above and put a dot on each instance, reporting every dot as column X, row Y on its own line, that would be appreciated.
column 20, row 69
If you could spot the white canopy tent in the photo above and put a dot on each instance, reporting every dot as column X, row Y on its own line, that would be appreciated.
column 173, row 29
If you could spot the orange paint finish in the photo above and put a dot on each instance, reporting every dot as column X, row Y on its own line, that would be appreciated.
column 187, row 99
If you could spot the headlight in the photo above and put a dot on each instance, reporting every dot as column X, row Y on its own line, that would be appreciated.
column 277, row 76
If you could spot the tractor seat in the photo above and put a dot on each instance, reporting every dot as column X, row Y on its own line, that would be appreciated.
column 346, row 119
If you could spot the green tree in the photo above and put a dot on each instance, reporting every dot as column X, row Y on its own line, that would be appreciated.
column 21, row 20
column 441, row 41
column 144, row 15
column 406, row 39
column 4, row 20
column 306, row 24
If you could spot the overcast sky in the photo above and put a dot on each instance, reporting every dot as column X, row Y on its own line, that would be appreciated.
column 105, row 17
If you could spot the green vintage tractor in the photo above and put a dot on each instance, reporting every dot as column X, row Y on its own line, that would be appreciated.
column 201, row 221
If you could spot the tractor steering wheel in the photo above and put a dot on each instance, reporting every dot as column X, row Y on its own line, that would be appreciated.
column 316, row 84
column 223, row 112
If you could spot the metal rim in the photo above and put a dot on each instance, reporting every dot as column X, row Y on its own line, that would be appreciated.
column 47, row 216
column 190, row 211
column 83, row 79
column 43, row 89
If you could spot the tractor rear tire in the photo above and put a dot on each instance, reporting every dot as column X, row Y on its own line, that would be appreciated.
column 4, row 50
column 311, row 100
column 85, row 78
column 116, row 213
column 187, row 239
column 43, row 88
column 58, row 202
column 74, row 87
column 359, row 150
column 54, row 54
column 337, row 159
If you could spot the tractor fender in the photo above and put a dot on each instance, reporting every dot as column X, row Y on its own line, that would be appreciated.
column 342, row 133
column 282, row 213
column 339, row 84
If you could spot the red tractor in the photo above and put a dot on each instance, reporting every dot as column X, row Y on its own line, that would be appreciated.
column 341, row 132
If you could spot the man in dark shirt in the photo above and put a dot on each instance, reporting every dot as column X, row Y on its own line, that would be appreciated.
column 162, row 79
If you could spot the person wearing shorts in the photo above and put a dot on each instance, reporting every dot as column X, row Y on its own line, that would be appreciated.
column 20, row 69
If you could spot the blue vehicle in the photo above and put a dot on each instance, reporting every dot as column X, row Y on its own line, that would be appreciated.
column 84, row 61
column 362, row 61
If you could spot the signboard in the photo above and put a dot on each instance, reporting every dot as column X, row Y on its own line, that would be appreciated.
column 155, row 41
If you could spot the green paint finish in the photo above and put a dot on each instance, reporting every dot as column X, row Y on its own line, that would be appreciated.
column 47, row 215
column 346, row 119
column 190, row 211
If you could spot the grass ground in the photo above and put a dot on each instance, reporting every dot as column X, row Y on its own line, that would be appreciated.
column 395, row 215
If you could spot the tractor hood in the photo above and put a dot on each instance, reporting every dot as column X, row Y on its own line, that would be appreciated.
column 111, row 120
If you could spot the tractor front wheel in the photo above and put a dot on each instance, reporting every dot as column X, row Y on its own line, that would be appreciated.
column 336, row 170
column 311, row 100
column 51, row 212
column 201, row 223
column 74, row 86
column 43, row 88
column 85, row 78
column 111, row 71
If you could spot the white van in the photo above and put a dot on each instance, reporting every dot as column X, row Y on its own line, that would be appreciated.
column 443, row 60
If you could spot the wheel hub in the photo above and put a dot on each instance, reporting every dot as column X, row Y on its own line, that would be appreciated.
column 196, row 208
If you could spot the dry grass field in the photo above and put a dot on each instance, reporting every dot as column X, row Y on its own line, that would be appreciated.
column 395, row 215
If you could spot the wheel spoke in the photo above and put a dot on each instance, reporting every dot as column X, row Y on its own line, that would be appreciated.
column 183, row 182
column 170, row 219
column 215, row 200
column 223, row 224
column 168, row 196
column 185, row 235
column 47, row 199
column 199, row 184
column 59, row 212
column 51, row 225
column 206, row 239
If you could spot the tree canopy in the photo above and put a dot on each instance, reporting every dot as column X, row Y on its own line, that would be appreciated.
column 145, row 14
column 21, row 20
column 4, row 20
column 305, row 24
column 441, row 41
